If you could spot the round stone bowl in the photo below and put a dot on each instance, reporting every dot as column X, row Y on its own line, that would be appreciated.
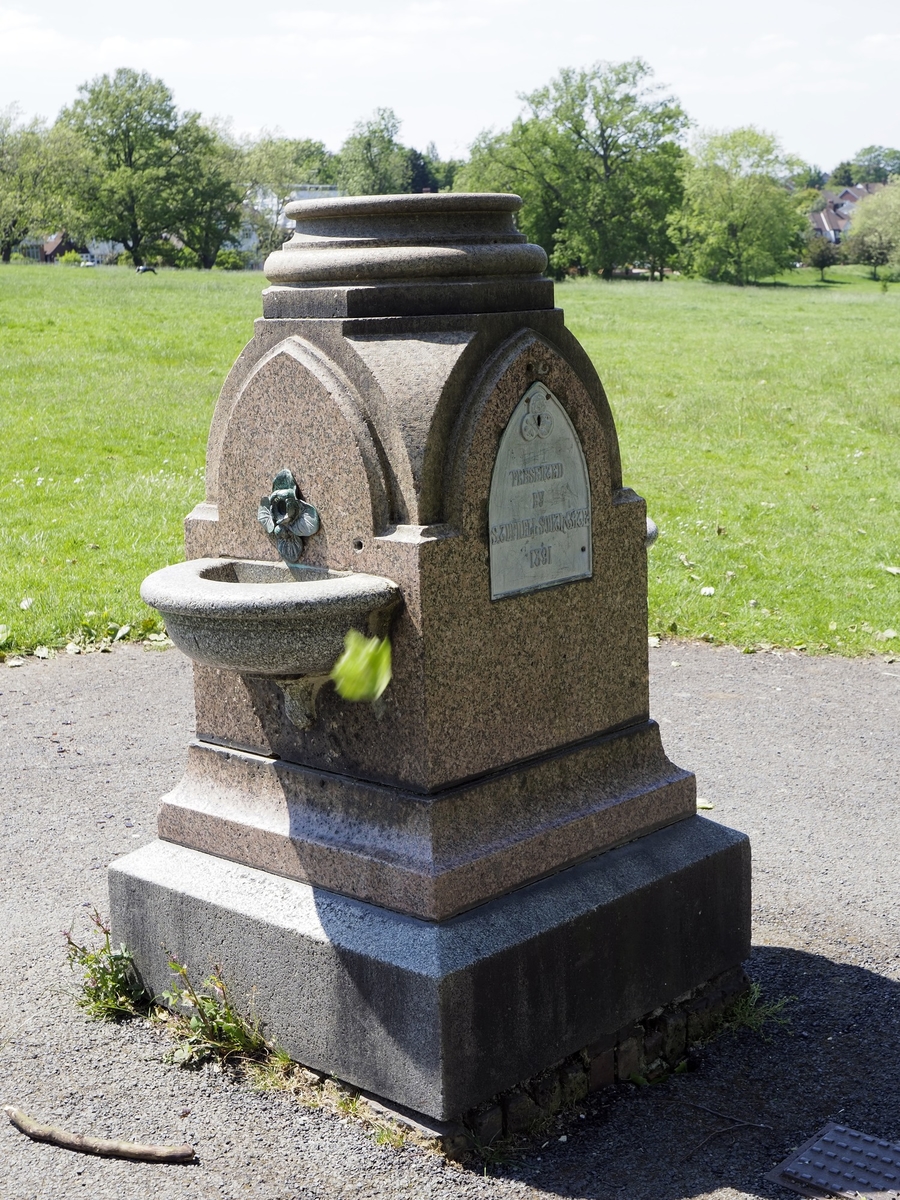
column 267, row 618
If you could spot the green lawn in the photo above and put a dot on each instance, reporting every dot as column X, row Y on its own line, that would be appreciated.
column 107, row 385
column 763, row 427
column 762, row 424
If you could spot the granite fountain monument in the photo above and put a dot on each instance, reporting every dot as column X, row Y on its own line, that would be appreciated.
column 438, row 895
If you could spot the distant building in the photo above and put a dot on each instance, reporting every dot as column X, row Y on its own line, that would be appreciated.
column 56, row 246
column 314, row 191
column 833, row 221
column 52, row 248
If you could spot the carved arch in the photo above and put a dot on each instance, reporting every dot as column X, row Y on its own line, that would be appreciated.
column 514, row 365
column 296, row 409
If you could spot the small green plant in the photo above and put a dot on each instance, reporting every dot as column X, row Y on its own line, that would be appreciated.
column 208, row 1026
column 98, row 631
column 278, row 1072
column 749, row 1012
column 110, row 989
column 71, row 258
column 389, row 1135
column 348, row 1103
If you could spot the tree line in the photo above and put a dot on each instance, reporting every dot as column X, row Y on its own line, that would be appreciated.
column 603, row 158
column 123, row 164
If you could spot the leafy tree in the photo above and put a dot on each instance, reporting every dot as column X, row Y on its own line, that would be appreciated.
column 523, row 160
column 876, row 164
column 808, row 177
column 275, row 166
column 149, row 174
column 431, row 173
column 739, row 222
column 821, row 253
column 874, row 236
column 154, row 172
column 596, row 158
column 842, row 176
column 128, row 123
column 808, row 200
column 24, row 168
column 371, row 161
column 207, row 193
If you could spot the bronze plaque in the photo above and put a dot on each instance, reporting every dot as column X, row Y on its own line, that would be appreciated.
column 539, row 514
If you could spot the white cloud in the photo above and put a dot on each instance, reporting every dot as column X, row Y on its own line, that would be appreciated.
column 407, row 19
column 450, row 68
column 13, row 21
column 122, row 49
column 770, row 43
column 884, row 47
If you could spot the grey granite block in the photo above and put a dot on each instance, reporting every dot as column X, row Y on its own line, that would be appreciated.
column 441, row 1016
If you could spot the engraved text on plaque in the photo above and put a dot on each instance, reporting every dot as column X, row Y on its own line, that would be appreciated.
column 539, row 514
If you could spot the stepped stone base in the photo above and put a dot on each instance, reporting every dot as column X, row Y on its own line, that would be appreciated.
column 441, row 1016
column 431, row 856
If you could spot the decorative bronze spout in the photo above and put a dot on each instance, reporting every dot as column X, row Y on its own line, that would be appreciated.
column 287, row 517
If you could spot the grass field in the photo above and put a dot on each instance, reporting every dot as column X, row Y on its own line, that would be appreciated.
column 762, row 424
column 107, row 385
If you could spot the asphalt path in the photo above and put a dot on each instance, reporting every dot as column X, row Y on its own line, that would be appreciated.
column 801, row 753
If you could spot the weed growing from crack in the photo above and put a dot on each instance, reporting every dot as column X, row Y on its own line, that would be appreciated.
column 207, row 1026
column 110, row 987
column 278, row 1072
column 389, row 1135
column 750, row 1012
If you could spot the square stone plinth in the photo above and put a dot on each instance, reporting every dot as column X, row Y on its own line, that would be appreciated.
column 439, row 1016
column 430, row 856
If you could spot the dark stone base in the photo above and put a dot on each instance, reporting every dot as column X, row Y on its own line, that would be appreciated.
column 644, row 1051
column 441, row 1017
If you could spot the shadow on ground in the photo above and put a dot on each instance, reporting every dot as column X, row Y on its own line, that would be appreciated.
column 836, row 1060
column 818, row 283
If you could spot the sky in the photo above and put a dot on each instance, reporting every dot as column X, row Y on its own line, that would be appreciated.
column 821, row 74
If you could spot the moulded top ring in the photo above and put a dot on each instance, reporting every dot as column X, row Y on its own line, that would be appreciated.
column 404, row 203
column 428, row 236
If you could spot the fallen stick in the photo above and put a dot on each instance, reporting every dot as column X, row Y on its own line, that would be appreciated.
column 104, row 1147
column 727, row 1129
column 726, row 1116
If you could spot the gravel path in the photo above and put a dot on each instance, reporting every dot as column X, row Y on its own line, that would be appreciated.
column 802, row 753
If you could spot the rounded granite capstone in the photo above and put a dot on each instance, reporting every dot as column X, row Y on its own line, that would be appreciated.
column 265, row 618
column 370, row 239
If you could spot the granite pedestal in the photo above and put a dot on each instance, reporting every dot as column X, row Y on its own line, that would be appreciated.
column 438, row 895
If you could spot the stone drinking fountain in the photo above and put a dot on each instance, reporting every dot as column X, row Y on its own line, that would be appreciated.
column 439, row 895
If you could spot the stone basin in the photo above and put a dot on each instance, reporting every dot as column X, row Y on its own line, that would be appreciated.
column 267, row 618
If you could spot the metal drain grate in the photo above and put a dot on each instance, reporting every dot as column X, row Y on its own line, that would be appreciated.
column 842, row 1162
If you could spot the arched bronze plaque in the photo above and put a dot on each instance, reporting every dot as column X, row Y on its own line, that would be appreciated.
column 539, row 514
